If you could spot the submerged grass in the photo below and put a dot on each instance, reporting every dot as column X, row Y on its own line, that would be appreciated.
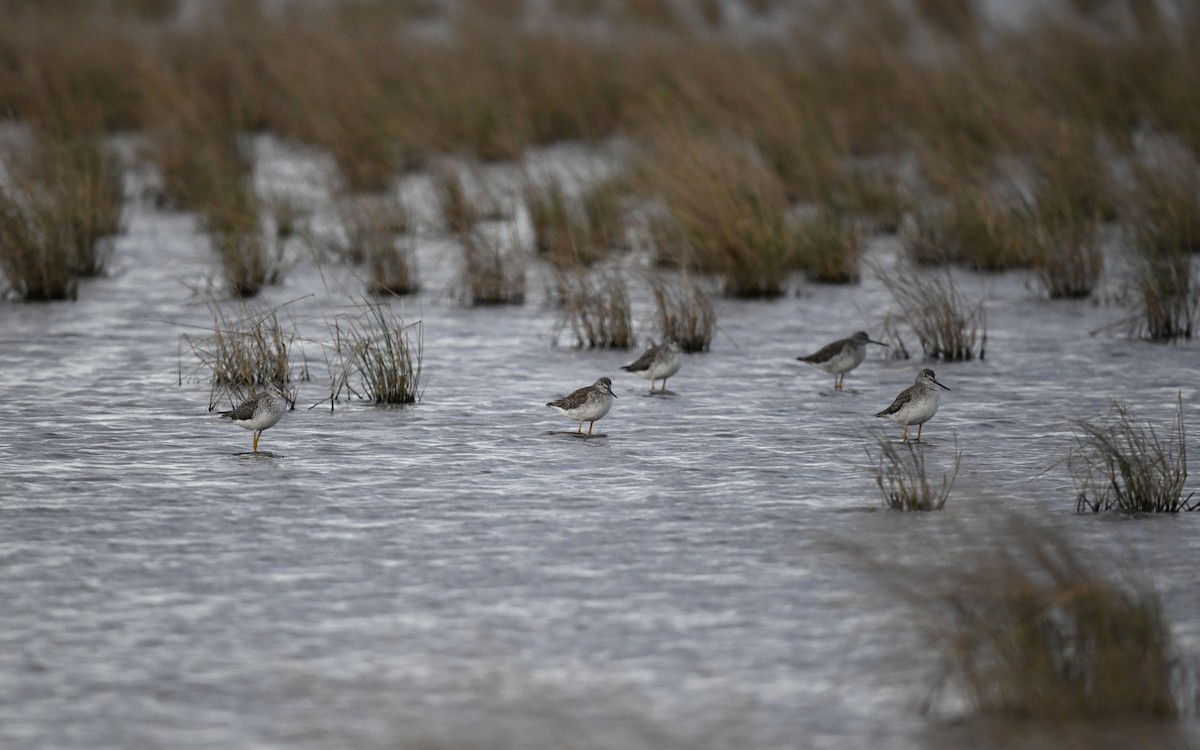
column 901, row 477
column 1030, row 629
column 377, row 356
column 1123, row 465
column 949, row 326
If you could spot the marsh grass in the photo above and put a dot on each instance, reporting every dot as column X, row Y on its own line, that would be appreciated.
column 828, row 247
column 235, row 231
column 459, row 212
column 37, row 258
column 976, row 229
column 949, row 326
column 367, row 223
column 684, row 311
column 901, row 477
column 1165, row 206
column 595, row 307
column 84, row 180
column 377, row 356
column 568, row 232
column 62, row 202
column 1064, row 250
column 1164, row 292
column 729, row 211
column 492, row 272
column 1030, row 629
column 391, row 267
column 241, row 353
column 1124, row 465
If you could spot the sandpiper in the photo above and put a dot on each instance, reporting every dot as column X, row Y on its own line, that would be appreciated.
column 660, row 361
column 587, row 404
column 841, row 356
column 916, row 404
column 259, row 412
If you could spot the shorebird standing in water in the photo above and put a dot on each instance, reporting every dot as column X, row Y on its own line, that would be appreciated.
column 259, row 412
column 841, row 356
column 660, row 361
column 587, row 404
column 916, row 404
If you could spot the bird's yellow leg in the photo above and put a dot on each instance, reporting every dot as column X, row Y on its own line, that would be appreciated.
column 906, row 433
column 919, row 432
column 256, row 436
column 590, row 426
column 580, row 430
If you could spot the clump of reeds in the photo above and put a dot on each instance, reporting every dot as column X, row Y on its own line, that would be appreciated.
column 730, row 211
column 569, row 232
column 491, row 274
column 60, row 205
column 35, row 256
column 596, row 309
column 459, row 212
column 1165, row 295
column 367, row 223
column 901, row 477
column 1030, row 629
column 976, row 229
column 1065, row 253
column 686, row 312
column 242, row 353
column 378, row 356
column 84, row 180
column 1120, row 464
column 828, row 247
column 1165, row 206
column 235, row 230
column 949, row 326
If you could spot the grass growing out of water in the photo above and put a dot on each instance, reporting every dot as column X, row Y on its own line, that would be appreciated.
column 242, row 353
column 60, row 204
column 236, row 233
column 901, row 477
column 569, row 233
column 459, row 213
column 730, row 210
column 1029, row 629
column 1123, row 465
column 490, row 275
column 686, row 312
column 378, row 357
column 1065, row 254
column 949, row 326
column 371, row 232
column 976, row 229
column 828, row 248
column 596, row 309
column 1165, row 294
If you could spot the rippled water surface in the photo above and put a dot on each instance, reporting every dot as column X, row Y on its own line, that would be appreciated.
column 454, row 573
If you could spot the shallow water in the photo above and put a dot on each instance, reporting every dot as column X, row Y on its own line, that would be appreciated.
column 457, row 573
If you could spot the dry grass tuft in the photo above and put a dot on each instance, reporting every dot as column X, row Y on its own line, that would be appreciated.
column 729, row 210
column 392, row 270
column 491, row 274
column 377, row 357
column 1065, row 253
column 569, row 232
column 241, row 354
column 686, row 312
column 235, row 230
column 459, row 212
column 1119, row 464
column 901, row 477
column 828, row 248
column 596, row 309
column 1030, row 629
column 948, row 325
column 977, row 230
column 1165, row 294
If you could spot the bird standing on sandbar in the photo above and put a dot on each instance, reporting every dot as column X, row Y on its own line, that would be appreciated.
column 660, row 361
column 259, row 412
column 916, row 404
column 841, row 356
column 587, row 404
